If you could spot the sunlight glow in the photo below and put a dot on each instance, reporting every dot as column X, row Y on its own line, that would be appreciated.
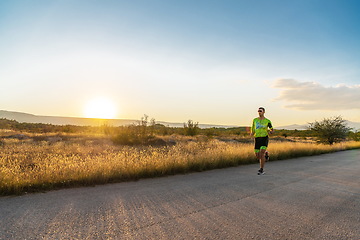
column 100, row 108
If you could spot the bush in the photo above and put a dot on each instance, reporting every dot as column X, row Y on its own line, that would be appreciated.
column 355, row 135
column 330, row 130
column 140, row 134
column 191, row 128
column 126, row 136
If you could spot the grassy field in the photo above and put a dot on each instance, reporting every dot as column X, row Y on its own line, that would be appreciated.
column 40, row 164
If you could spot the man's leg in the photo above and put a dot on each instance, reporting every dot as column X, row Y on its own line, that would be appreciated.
column 262, row 157
column 257, row 154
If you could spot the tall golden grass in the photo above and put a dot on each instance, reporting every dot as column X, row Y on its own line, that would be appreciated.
column 27, row 166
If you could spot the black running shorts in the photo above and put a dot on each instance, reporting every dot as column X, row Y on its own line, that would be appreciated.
column 261, row 142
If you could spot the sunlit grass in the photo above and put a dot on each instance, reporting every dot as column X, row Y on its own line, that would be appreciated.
column 27, row 166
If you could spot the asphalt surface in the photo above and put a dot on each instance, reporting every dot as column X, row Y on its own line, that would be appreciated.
column 305, row 198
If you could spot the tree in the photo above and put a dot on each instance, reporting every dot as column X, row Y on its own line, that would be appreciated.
column 330, row 130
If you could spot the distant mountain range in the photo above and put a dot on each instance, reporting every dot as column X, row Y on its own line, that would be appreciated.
column 294, row 127
column 354, row 125
column 30, row 118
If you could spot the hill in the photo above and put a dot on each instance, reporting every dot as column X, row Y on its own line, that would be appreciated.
column 30, row 118
column 293, row 127
column 354, row 125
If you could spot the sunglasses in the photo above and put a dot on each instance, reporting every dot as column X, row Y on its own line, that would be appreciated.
column 260, row 110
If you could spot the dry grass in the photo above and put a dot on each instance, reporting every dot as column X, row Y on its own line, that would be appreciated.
column 28, row 166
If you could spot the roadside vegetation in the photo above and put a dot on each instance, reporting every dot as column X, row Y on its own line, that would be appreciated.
column 41, row 157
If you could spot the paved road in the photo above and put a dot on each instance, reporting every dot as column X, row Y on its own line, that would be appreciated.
column 305, row 198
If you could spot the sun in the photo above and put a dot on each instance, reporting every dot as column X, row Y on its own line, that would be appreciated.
column 100, row 108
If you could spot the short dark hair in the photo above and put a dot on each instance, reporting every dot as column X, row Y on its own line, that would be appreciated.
column 262, row 108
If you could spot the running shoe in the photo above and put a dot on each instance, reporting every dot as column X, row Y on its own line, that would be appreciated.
column 261, row 171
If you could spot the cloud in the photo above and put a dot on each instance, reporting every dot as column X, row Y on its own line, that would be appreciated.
column 314, row 96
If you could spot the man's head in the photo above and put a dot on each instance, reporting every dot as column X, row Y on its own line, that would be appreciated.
column 261, row 109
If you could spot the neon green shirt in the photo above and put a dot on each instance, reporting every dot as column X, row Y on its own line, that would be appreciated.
column 260, row 127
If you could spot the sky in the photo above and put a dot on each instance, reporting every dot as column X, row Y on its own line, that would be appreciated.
column 213, row 62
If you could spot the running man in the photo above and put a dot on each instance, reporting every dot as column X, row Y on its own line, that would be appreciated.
column 260, row 130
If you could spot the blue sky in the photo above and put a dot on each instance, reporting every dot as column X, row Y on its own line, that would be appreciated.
column 209, row 61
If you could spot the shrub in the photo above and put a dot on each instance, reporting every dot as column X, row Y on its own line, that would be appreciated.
column 126, row 136
column 191, row 128
column 355, row 136
column 330, row 130
column 140, row 134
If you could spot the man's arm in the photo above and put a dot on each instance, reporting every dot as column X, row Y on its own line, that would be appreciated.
column 252, row 129
column 271, row 127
